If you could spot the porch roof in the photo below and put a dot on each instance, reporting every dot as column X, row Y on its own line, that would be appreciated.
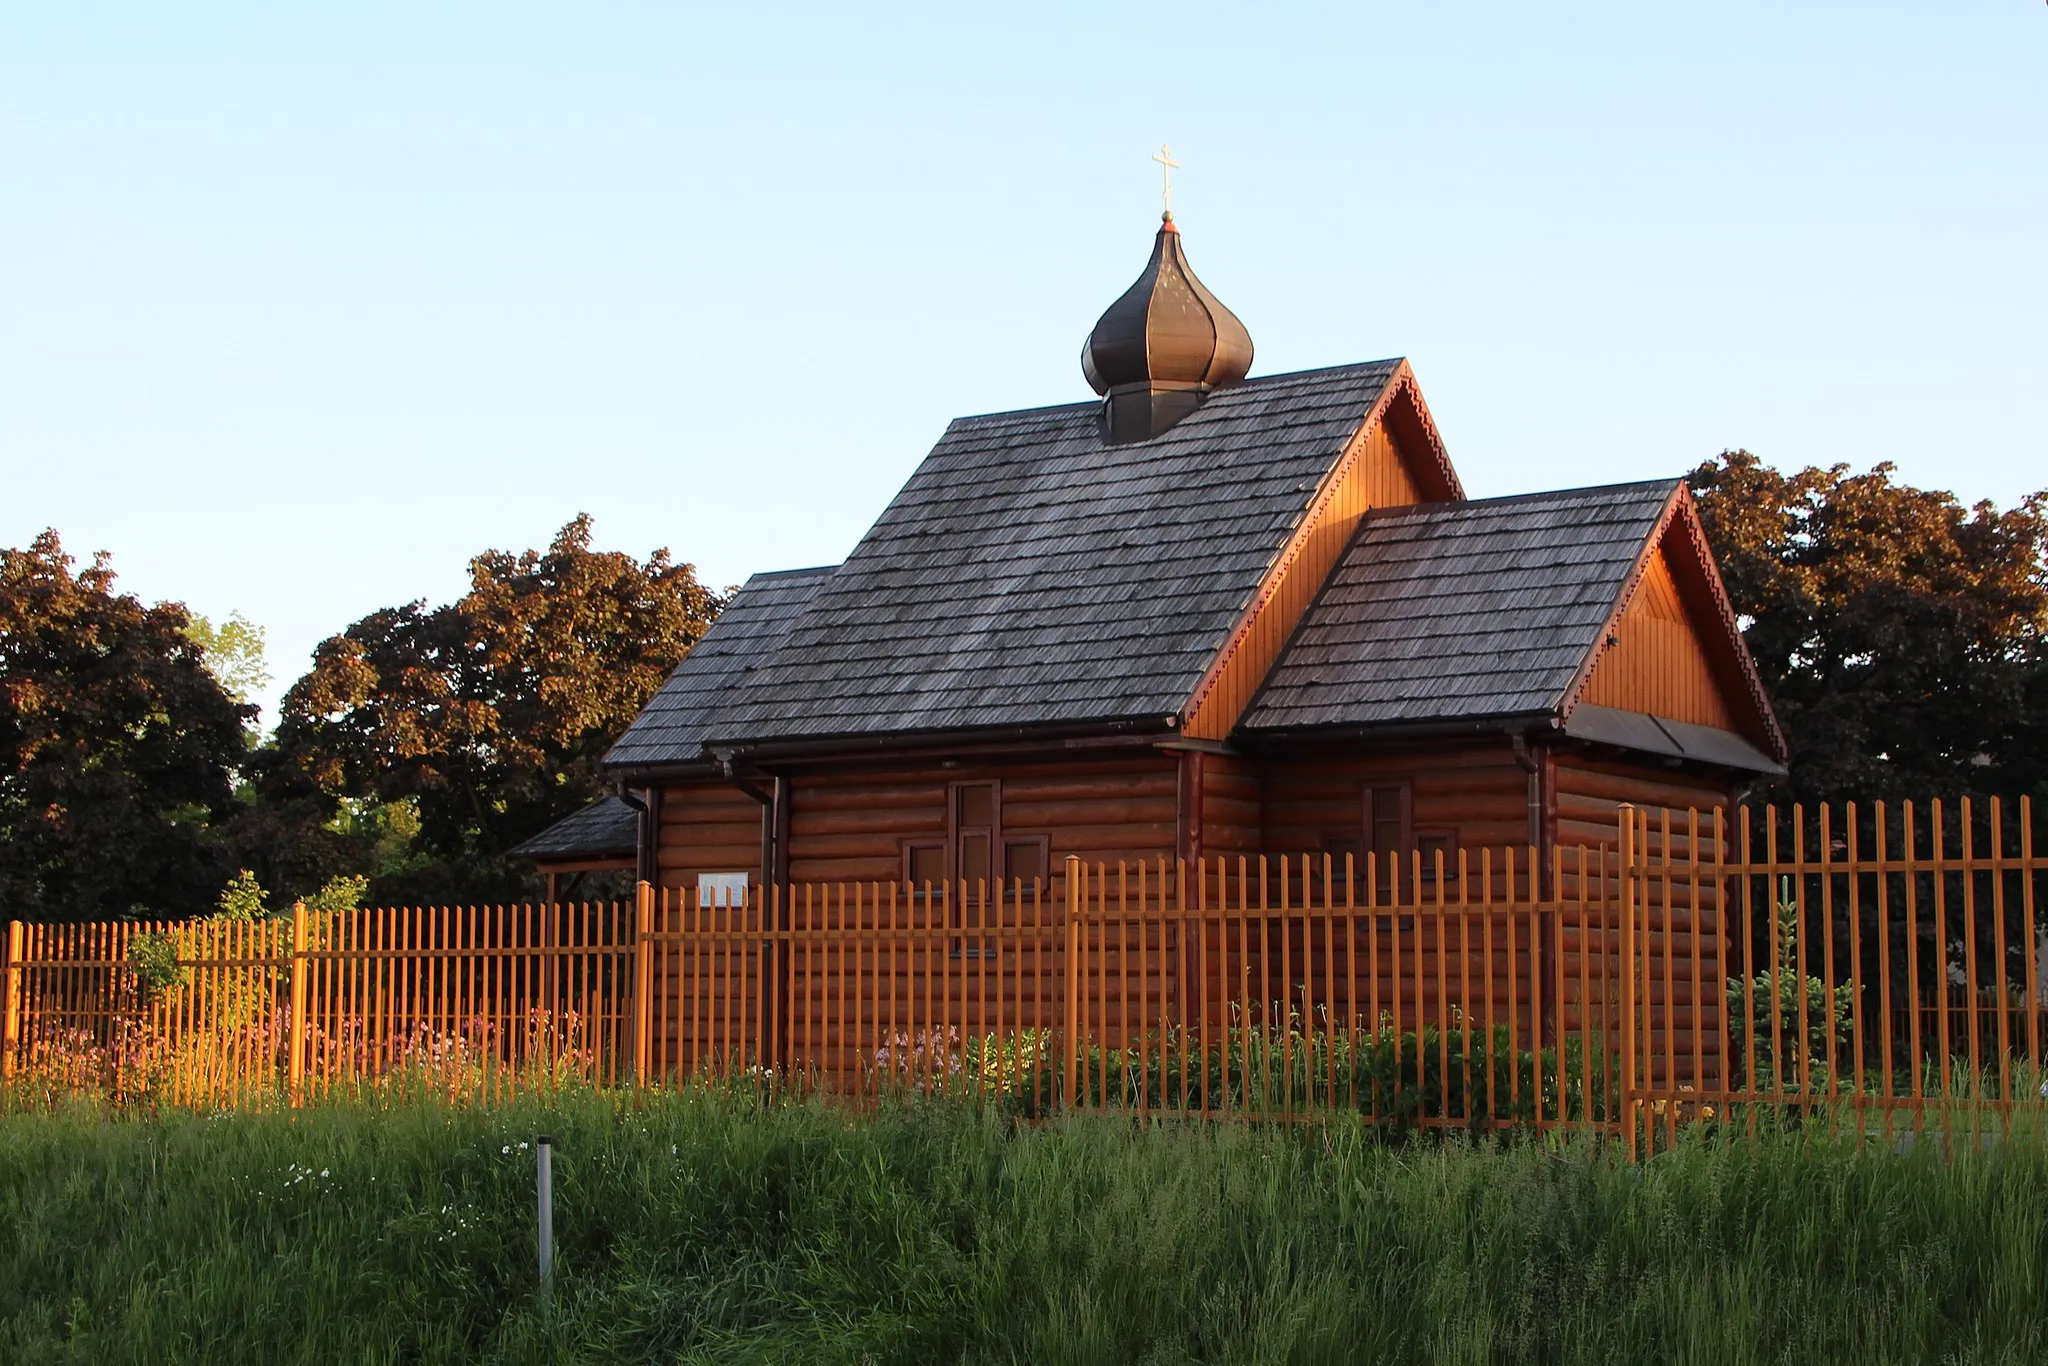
column 606, row 828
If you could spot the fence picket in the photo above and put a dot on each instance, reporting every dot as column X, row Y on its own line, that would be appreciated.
column 1622, row 988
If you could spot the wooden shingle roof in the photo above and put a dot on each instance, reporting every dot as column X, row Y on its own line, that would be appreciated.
column 1482, row 611
column 1461, row 611
column 607, row 828
column 671, row 728
column 1032, row 574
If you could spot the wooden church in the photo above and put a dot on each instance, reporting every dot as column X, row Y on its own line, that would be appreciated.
column 1207, row 614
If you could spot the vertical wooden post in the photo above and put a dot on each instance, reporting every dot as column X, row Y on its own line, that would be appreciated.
column 643, row 983
column 10, row 999
column 1073, row 1089
column 297, row 1062
column 1627, row 845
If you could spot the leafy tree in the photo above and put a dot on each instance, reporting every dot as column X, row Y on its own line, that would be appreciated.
column 1901, row 635
column 244, row 898
column 489, row 715
column 233, row 652
column 118, row 748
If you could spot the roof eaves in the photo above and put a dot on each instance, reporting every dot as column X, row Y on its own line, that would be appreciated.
column 768, row 750
column 1436, row 727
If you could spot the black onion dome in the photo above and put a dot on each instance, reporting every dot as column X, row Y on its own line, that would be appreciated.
column 1167, row 331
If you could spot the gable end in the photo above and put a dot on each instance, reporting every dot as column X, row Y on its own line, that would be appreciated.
column 1671, row 646
column 1396, row 459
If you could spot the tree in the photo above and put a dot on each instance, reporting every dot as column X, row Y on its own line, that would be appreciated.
column 1902, row 636
column 491, row 714
column 233, row 652
column 118, row 748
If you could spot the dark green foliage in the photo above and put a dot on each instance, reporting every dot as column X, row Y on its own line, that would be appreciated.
column 118, row 748
column 706, row 1227
column 1903, row 636
column 1400, row 1080
column 486, row 717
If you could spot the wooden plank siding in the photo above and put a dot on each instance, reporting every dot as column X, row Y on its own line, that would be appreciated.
column 708, row 827
column 1687, row 970
column 849, row 825
column 1660, row 663
column 1233, row 813
column 847, row 831
column 1475, row 791
column 1373, row 473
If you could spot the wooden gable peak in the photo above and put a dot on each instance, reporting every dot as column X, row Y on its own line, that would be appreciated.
column 1397, row 427
column 1675, row 576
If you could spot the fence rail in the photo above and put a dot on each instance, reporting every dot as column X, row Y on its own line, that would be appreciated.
column 456, row 999
column 1695, row 967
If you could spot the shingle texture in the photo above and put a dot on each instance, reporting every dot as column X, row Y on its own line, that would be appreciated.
column 670, row 729
column 606, row 828
column 1031, row 573
column 1453, row 611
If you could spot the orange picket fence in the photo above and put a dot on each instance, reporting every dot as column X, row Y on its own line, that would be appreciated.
column 1698, row 967
column 476, row 1000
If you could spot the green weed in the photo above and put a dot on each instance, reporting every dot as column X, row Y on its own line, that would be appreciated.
column 712, row 1225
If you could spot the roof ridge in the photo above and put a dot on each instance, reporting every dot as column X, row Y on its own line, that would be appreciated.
column 790, row 573
column 1475, row 504
column 1254, row 382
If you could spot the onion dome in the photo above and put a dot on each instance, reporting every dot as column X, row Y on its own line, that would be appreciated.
column 1163, row 347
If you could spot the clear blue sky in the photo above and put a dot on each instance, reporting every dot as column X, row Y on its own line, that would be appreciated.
column 299, row 312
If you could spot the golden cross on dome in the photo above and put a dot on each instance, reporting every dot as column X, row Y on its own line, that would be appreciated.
column 1164, row 156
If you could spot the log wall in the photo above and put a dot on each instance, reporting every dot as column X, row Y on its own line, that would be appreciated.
column 1688, row 966
column 1476, row 791
column 1233, row 812
column 708, row 827
column 850, row 825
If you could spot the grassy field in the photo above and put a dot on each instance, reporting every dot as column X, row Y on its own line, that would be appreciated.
column 709, row 1229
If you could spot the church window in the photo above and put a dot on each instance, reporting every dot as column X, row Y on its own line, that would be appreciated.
column 975, row 833
column 1434, row 846
column 1389, row 834
column 1025, row 859
column 924, row 863
column 977, row 850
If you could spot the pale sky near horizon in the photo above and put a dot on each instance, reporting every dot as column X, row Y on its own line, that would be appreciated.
column 298, row 312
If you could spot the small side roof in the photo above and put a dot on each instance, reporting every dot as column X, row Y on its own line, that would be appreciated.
column 672, row 727
column 1461, row 611
column 1662, row 735
column 607, row 828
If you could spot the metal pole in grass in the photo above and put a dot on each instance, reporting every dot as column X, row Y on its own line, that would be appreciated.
column 544, row 1177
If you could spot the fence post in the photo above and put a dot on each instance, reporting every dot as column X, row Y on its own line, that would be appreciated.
column 1072, row 1098
column 643, row 982
column 297, row 1061
column 10, row 1023
column 1626, row 816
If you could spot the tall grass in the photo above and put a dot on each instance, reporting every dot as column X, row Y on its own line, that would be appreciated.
column 709, row 1226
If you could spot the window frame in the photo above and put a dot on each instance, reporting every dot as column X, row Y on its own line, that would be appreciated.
column 906, row 850
column 955, row 827
column 1383, row 803
column 1427, row 857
